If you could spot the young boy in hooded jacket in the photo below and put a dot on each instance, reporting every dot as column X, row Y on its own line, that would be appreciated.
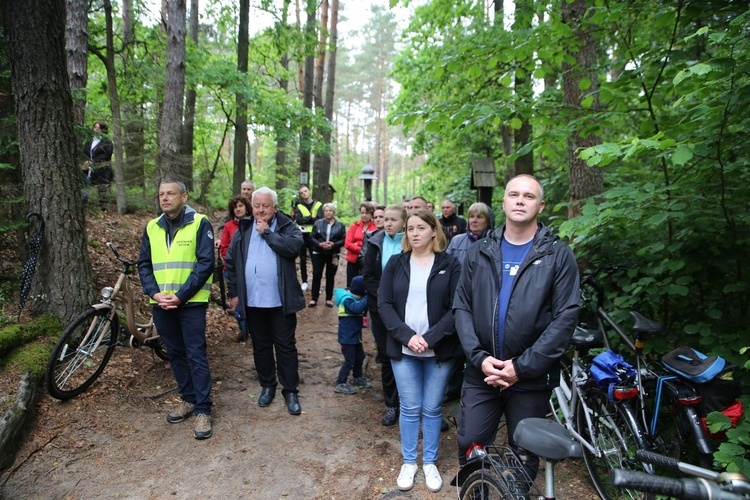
column 352, row 306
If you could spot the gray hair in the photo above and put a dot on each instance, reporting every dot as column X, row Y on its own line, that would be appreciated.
column 331, row 206
column 249, row 182
column 266, row 190
column 180, row 184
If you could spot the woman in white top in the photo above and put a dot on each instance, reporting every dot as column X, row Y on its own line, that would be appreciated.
column 414, row 300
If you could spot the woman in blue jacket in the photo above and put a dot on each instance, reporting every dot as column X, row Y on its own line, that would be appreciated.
column 414, row 300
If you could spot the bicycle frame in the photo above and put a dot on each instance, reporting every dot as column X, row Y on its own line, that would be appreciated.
column 141, row 332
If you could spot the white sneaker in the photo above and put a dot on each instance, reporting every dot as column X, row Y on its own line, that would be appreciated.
column 432, row 477
column 405, row 479
column 304, row 286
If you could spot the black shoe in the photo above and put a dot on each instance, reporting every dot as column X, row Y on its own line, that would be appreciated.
column 390, row 417
column 266, row 396
column 292, row 403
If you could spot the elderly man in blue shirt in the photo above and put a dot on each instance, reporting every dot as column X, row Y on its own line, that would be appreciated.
column 261, row 275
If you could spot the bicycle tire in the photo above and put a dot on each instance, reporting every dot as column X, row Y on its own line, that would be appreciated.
column 487, row 484
column 71, row 369
column 609, row 419
column 159, row 348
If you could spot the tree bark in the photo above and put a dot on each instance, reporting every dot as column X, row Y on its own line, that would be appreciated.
column 323, row 173
column 240, row 121
column 76, row 49
column 282, row 174
column 114, row 106
column 133, row 141
column 170, row 126
column 35, row 31
column 524, row 164
column 320, row 60
column 188, row 128
column 585, row 181
column 306, row 135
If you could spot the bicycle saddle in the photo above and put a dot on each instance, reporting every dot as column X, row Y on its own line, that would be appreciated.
column 643, row 324
column 587, row 337
column 546, row 439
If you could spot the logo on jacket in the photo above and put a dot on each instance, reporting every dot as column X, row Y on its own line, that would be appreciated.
column 210, row 234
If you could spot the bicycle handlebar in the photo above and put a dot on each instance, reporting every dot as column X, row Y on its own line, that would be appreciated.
column 688, row 489
column 119, row 257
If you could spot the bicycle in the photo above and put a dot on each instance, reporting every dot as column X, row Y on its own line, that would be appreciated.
column 497, row 472
column 657, row 409
column 708, row 485
column 609, row 426
column 86, row 345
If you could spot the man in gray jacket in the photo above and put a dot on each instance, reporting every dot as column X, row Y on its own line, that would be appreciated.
column 262, row 286
column 516, row 307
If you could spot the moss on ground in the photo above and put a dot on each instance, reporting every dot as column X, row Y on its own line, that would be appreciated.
column 27, row 346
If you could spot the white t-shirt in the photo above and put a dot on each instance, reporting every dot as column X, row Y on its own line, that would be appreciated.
column 416, row 306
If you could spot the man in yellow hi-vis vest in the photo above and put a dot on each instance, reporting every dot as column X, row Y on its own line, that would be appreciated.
column 176, row 266
column 306, row 212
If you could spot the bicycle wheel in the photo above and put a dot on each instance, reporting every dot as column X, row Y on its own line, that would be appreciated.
column 617, row 434
column 487, row 484
column 159, row 348
column 75, row 363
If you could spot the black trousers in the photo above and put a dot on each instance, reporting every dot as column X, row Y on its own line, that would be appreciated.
column 482, row 407
column 354, row 358
column 321, row 261
column 274, row 346
column 303, row 257
column 380, row 332
column 352, row 270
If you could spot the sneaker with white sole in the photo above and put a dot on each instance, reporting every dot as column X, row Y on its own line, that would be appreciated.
column 182, row 411
column 202, row 426
column 432, row 477
column 304, row 286
column 405, row 480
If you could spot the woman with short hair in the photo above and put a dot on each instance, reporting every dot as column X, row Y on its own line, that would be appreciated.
column 326, row 240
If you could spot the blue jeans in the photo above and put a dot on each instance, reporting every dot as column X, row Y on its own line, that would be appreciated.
column 421, row 387
column 183, row 331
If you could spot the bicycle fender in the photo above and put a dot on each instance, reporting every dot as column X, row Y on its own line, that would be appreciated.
column 465, row 471
column 701, row 441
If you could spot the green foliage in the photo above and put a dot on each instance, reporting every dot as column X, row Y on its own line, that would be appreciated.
column 732, row 455
column 31, row 357
column 17, row 335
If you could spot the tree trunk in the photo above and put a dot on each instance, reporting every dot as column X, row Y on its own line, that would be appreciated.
column 524, row 164
column 585, row 181
column 133, row 141
column 188, row 128
column 168, row 157
column 282, row 174
column 323, row 173
column 108, row 59
column 306, row 135
column 240, row 121
column 76, row 48
column 49, row 153
column 320, row 60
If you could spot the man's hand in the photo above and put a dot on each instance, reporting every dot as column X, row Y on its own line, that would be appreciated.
column 499, row 373
column 261, row 226
column 233, row 301
column 167, row 301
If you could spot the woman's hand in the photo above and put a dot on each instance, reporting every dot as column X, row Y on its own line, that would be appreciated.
column 417, row 344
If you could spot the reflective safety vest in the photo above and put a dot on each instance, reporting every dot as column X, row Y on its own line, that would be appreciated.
column 306, row 213
column 172, row 266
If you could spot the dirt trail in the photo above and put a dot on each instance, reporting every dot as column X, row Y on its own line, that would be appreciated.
column 113, row 441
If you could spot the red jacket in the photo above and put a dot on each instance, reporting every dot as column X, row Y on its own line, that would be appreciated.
column 355, row 236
